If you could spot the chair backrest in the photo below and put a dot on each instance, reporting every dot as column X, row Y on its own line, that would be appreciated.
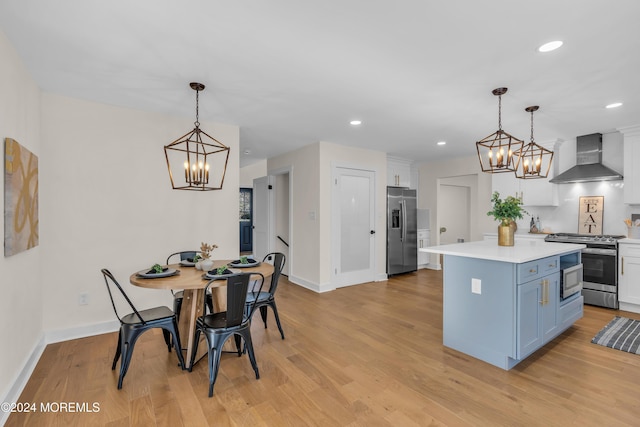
column 237, row 288
column 183, row 255
column 277, row 259
column 111, row 281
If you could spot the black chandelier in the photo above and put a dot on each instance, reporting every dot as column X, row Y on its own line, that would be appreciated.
column 200, row 157
column 533, row 160
column 496, row 151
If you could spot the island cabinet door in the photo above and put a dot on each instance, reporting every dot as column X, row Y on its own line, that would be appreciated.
column 550, row 323
column 537, row 318
column 529, row 319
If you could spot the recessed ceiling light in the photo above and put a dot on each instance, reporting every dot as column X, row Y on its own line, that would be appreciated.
column 548, row 47
column 442, row 143
column 614, row 105
column 355, row 122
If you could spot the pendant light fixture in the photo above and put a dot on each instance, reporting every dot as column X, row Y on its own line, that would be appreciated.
column 495, row 152
column 533, row 160
column 196, row 161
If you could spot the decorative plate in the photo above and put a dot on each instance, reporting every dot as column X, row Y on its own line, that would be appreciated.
column 212, row 274
column 149, row 274
column 250, row 263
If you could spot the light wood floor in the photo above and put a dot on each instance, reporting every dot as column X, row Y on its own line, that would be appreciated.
column 367, row 355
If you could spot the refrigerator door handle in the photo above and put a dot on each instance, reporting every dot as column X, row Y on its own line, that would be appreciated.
column 403, row 228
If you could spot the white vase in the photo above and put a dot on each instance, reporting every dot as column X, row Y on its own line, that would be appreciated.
column 206, row 264
column 197, row 265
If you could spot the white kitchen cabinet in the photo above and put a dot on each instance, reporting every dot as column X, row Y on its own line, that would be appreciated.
column 631, row 189
column 533, row 192
column 629, row 275
column 398, row 172
column 506, row 184
column 538, row 192
column 423, row 242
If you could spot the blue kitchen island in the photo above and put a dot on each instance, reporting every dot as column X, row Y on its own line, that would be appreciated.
column 502, row 303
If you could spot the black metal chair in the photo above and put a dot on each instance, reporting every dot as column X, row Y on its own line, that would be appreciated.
column 178, row 296
column 267, row 299
column 135, row 324
column 218, row 327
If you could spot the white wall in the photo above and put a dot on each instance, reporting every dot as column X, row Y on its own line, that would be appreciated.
column 311, row 192
column 21, row 302
column 251, row 172
column 305, row 180
column 107, row 202
column 448, row 171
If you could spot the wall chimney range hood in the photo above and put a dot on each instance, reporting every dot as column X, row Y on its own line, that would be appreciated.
column 589, row 165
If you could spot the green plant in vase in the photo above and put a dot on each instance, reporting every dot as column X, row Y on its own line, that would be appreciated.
column 506, row 211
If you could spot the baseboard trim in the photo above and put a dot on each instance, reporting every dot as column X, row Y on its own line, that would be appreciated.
column 60, row 335
column 13, row 395
column 310, row 285
column 50, row 337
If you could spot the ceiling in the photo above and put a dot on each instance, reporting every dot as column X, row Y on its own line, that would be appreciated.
column 290, row 73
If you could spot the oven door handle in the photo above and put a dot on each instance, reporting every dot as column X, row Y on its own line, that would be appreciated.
column 598, row 251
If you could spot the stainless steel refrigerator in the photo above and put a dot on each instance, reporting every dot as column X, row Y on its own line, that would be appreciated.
column 402, row 236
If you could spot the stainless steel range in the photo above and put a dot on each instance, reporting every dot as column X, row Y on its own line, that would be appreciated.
column 600, row 263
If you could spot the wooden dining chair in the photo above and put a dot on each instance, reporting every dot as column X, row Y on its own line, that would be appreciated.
column 219, row 327
column 267, row 298
column 136, row 323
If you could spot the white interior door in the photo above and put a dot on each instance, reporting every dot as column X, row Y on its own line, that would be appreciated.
column 454, row 212
column 353, row 230
column 261, row 217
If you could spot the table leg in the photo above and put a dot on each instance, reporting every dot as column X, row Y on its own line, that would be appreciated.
column 192, row 301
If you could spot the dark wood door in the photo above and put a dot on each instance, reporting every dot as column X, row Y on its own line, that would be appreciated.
column 246, row 220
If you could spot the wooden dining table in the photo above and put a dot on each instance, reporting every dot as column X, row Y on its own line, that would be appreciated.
column 193, row 283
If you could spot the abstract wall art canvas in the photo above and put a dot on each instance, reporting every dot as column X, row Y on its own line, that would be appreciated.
column 20, row 198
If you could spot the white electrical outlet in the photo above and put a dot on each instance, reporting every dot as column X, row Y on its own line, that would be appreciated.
column 476, row 286
column 83, row 298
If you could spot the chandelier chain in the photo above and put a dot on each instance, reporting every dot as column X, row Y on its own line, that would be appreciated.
column 197, row 122
column 531, row 126
column 499, row 112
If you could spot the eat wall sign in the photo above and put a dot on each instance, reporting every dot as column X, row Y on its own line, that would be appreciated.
column 590, row 216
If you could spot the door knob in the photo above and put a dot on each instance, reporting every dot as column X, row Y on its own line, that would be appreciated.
column 372, row 232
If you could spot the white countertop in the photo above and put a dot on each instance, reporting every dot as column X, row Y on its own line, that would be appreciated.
column 522, row 251
column 630, row 241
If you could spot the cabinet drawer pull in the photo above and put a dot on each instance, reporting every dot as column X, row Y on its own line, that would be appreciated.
column 533, row 270
column 544, row 292
column 622, row 266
